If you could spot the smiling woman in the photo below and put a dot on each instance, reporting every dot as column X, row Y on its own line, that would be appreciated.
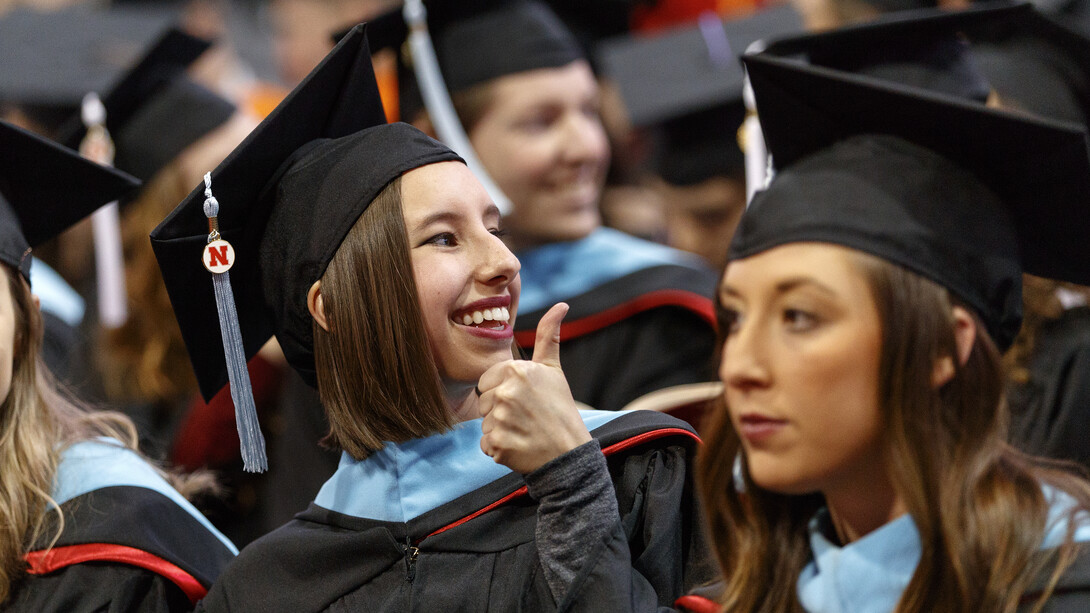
column 468, row 478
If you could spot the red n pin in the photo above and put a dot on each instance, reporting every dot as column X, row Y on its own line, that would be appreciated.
column 219, row 256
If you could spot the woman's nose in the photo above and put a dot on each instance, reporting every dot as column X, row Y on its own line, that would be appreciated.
column 744, row 364
column 585, row 140
column 497, row 263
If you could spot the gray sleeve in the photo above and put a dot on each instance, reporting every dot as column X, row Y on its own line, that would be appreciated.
column 577, row 506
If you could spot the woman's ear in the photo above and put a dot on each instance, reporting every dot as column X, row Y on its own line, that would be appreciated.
column 316, row 306
column 964, row 338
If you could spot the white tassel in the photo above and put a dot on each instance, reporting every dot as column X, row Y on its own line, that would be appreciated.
column 437, row 100
column 105, row 222
column 218, row 258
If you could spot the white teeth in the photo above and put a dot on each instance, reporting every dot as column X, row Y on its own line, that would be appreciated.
column 498, row 314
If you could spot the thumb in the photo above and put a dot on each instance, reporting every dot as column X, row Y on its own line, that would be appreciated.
column 547, row 342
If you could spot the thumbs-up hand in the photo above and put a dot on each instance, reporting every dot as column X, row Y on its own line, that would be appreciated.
column 528, row 410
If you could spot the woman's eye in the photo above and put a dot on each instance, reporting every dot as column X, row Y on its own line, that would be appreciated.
column 443, row 239
column 499, row 232
column 728, row 320
column 799, row 320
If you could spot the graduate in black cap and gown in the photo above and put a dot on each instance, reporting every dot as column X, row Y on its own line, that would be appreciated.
column 860, row 461
column 89, row 524
column 469, row 480
column 520, row 83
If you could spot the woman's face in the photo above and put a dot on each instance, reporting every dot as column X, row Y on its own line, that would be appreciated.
column 542, row 141
column 7, row 333
column 467, row 278
column 800, row 369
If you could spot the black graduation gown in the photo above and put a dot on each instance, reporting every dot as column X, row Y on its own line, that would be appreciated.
column 1072, row 592
column 1051, row 412
column 644, row 330
column 124, row 548
column 477, row 552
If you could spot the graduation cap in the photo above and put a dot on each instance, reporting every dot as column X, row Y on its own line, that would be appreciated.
column 44, row 188
column 965, row 195
column 50, row 60
column 1037, row 65
column 286, row 198
column 454, row 45
column 479, row 40
column 925, row 48
column 153, row 112
column 690, row 83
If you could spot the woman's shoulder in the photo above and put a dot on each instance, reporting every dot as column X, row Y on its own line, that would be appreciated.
column 305, row 564
column 118, row 512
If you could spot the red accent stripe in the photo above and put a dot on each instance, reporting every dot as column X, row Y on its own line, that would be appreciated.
column 696, row 604
column 701, row 305
column 522, row 491
column 50, row 560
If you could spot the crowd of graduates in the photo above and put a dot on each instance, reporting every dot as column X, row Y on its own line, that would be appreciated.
column 534, row 305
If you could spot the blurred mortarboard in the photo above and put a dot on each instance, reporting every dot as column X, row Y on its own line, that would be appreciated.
column 288, row 195
column 965, row 195
column 1037, row 65
column 690, row 69
column 153, row 112
column 689, row 83
column 477, row 41
column 44, row 189
column 50, row 60
column 925, row 48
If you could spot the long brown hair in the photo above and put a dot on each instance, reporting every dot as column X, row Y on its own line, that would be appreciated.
column 145, row 359
column 976, row 502
column 37, row 421
column 376, row 376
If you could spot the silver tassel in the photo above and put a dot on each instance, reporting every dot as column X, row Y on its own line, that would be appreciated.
column 252, row 442
column 437, row 100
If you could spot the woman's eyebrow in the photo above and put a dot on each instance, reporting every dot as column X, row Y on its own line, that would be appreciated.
column 793, row 283
column 438, row 217
column 783, row 287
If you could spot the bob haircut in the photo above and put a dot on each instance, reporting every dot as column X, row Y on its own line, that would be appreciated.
column 376, row 375
column 976, row 501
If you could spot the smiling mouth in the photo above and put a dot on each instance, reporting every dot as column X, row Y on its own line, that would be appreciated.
column 495, row 318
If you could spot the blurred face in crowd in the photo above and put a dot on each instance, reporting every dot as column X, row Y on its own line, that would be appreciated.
column 800, row 369
column 701, row 218
column 542, row 141
column 467, row 279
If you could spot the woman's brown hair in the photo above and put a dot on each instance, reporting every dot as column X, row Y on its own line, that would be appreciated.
column 37, row 422
column 976, row 502
column 376, row 375
column 145, row 359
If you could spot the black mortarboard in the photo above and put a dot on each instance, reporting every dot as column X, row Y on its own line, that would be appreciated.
column 50, row 60
column 965, row 195
column 154, row 111
column 924, row 48
column 689, row 82
column 479, row 40
column 288, row 195
column 1037, row 65
column 689, row 69
column 44, row 188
